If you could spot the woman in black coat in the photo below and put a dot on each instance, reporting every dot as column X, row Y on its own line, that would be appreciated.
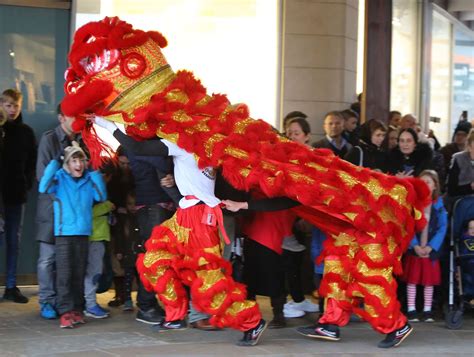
column 410, row 157
column 368, row 152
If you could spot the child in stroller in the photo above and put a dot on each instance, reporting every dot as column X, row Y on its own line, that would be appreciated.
column 466, row 256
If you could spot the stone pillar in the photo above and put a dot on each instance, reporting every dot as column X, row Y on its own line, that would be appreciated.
column 377, row 56
column 319, row 57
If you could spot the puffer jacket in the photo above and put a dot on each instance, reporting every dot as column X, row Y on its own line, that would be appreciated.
column 74, row 198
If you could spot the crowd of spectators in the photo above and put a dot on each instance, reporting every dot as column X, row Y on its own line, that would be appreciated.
column 142, row 194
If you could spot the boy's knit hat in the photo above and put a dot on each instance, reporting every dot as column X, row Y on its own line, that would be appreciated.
column 70, row 151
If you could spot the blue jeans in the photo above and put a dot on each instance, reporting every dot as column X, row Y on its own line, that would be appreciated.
column 46, row 272
column 95, row 265
column 195, row 315
column 13, row 227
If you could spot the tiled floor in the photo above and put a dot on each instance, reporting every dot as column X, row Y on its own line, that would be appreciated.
column 24, row 333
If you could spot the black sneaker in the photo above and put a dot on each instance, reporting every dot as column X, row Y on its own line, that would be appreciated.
column 177, row 325
column 396, row 337
column 151, row 316
column 412, row 316
column 428, row 316
column 322, row 331
column 252, row 336
column 15, row 295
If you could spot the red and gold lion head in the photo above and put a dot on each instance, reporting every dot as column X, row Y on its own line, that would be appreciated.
column 113, row 68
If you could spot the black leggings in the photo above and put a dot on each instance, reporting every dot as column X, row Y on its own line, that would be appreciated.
column 130, row 274
column 293, row 264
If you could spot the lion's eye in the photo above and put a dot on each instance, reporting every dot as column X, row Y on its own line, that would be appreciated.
column 96, row 63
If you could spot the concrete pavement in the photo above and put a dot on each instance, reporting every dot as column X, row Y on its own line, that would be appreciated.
column 24, row 333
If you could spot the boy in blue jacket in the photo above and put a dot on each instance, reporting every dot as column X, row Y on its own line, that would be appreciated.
column 76, row 189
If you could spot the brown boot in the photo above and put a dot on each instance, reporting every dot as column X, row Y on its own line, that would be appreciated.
column 118, row 300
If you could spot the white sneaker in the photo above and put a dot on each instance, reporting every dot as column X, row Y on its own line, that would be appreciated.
column 290, row 313
column 305, row 305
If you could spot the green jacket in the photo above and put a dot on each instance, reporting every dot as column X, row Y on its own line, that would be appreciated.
column 100, row 222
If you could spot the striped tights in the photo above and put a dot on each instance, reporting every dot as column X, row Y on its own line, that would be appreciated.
column 411, row 297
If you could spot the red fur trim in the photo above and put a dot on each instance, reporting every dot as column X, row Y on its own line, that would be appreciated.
column 86, row 99
column 158, row 38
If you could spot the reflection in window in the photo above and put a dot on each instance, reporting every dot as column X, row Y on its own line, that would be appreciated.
column 404, row 56
column 33, row 55
column 439, row 80
column 463, row 77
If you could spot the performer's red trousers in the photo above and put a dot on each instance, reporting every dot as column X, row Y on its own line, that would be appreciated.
column 360, row 280
column 187, row 250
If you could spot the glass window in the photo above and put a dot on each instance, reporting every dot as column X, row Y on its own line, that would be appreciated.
column 33, row 58
column 404, row 56
column 232, row 45
column 440, row 97
column 463, row 77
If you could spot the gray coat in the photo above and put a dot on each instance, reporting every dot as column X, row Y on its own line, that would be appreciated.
column 52, row 144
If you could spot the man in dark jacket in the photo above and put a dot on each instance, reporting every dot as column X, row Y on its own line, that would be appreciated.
column 3, row 120
column 152, row 209
column 19, row 158
column 458, row 143
column 334, row 140
column 52, row 144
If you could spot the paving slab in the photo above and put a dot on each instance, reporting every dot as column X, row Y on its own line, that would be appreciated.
column 24, row 333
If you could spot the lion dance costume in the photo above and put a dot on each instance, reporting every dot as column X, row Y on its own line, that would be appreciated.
column 120, row 73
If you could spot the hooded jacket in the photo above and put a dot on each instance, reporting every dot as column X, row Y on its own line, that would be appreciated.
column 74, row 198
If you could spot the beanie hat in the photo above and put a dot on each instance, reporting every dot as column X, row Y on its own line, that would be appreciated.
column 69, row 152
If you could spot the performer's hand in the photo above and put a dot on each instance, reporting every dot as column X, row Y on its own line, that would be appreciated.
column 167, row 181
column 234, row 206
column 106, row 124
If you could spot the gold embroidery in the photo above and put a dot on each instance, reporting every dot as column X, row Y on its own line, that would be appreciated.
column 239, row 306
column 316, row 166
column 374, row 188
column 177, row 96
column 152, row 256
column 241, row 125
column 300, row 177
column 237, row 153
column 218, row 299
column 204, row 101
column 373, row 251
column 244, row 172
column 169, row 293
column 379, row 292
column 216, row 250
column 209, row 144
column 139, row 94
column 209, row 278
column 350, row 215
column 181, row 116
column 399, row 194
column 181, row 233
column 348, row 179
